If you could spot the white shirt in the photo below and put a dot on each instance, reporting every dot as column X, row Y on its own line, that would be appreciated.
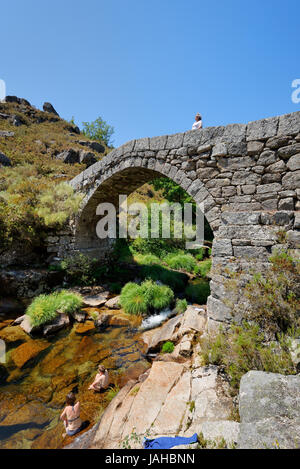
column 197, row 125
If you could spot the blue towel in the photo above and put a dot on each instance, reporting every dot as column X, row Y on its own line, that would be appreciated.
column 168, row 442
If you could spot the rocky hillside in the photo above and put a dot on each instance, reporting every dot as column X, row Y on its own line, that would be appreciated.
column 38, row 150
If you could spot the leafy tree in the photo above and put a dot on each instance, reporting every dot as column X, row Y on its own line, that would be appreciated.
column 98, row 130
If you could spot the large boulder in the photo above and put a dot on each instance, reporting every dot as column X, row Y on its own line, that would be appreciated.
column 270, row 411
column 96, row 146
column 168, row 401
column 57, row 324
column 4, row 160
column 191, row 322
column 15, row 99
column 113, row 303
column 47, row 107
column 68, row 156
column 87, row 157
column 95, row 301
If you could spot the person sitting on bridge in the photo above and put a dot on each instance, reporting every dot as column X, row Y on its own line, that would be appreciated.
column 198, row 122
column 101, row 381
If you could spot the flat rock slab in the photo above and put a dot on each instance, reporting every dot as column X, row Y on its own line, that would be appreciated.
column 169, row 401
column 95, row 301
column 270, row 411
column 113, row 303
column 59, row 323
column 28, row 351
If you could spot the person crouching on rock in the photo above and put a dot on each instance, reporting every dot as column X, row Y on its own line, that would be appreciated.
column 101, row 381
column 71, row 416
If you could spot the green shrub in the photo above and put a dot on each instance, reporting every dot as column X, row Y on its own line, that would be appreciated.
column 45, row 308
column 81, row 270
column 175, row 280
column 140, row 299
column 198, row 292
column 203, row 268
column 243, row 348
column 168, row 347
column 181, row 306
column 181, row 261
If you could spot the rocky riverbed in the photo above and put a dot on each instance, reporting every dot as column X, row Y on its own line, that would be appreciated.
column 39, row 372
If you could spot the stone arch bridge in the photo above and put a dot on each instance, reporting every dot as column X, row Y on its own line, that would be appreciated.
column 247, row 176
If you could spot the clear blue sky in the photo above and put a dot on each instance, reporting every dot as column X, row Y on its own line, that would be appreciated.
column 147, row 66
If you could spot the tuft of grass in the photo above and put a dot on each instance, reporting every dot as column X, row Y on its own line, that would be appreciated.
column 140, row 299
column 112, row 392
column 198, row 292
column 181, row 261
column 45, row 308
column 181, row 306
column 168, row 347
column 147, row 259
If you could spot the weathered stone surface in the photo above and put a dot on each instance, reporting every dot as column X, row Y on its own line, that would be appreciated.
column 289, row 124
column 47, row 107
column 255, row 148
column 95, row 301
column 169, row 390
column 13, row 335
column 294, row 162
column 23, row 354
column 270, row 411
column 59, row 323
column 222, row 247
column 262, row 129
column 291, row 180
column 113, row 303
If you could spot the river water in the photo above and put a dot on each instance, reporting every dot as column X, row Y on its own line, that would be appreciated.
column 33, row 397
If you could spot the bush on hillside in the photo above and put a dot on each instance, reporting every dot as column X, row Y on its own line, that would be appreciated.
column 98, row 130
column 56, row 205
column 45, row 308
column 203, row 268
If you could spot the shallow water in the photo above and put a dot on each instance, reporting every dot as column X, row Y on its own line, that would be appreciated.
column 32, row 400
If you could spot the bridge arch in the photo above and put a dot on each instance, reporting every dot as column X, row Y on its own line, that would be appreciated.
column 247, row 176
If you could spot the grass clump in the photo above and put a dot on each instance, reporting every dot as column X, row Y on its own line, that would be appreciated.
column 198, row 291
column 168, row 347
column 45, row 308
column 141, row 299
column 243, row 348
column 181, row 261
column 181, row 306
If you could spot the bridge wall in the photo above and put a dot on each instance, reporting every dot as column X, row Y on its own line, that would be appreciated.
column 248, row 177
